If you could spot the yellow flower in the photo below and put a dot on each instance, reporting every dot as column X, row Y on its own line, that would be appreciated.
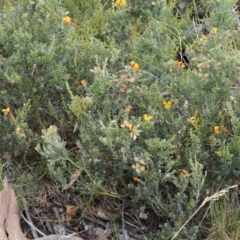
column 147, row 118
column 6, row 110
column 67, row 20
column 138, row 168
column 217, row 130
column 167, row 104
column 18, row 130
column 120, row 3
column 180, row 64
column 214, row 31
column 19, row 133
column 134, row 66
column 84, row 82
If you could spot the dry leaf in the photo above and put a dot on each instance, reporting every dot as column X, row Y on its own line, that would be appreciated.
column 60, row 237
column 73, row 179
column 97, row 231
column 124, row 236
column 71, row 212
column 9, row 217
column 43, row 199
column 105, row 214
column 104, row 235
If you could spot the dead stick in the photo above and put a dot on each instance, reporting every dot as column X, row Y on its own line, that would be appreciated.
column 34, row 232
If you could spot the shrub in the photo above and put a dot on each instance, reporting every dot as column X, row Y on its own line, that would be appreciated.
column 115, row 97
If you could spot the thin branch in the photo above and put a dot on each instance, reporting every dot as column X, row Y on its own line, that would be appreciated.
column 34, row 232
column 32, row 226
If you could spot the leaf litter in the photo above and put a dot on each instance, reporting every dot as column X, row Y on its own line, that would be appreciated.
column 51, row 220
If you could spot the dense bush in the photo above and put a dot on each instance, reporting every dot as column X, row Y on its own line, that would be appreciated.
column 108, row 86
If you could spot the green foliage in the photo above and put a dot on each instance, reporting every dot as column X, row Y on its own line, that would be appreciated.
column 108, row 93
column 54, row 151
column 10, row 142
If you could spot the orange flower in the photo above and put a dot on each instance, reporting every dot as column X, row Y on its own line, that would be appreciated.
column 136, row 179
column 129, row 109
column 134, row 66
column 84, row 82
column 167, row 104
column 180, row 64
column 217, row 130
column 214, row 31
column 181, row 170
column 183, row 173
column 67, row 20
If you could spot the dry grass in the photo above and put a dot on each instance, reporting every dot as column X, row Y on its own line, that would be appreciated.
column 214, row 197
